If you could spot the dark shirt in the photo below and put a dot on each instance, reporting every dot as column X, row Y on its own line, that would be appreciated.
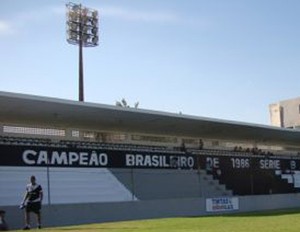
column 34, row 192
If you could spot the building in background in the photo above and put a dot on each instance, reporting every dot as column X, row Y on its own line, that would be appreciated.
column 286, row 113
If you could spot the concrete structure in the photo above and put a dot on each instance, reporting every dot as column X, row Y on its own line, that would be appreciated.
column 286, row 113
column 76, row 214
column 101, row 163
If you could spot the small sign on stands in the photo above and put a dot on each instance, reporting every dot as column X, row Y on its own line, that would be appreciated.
column 220, row 204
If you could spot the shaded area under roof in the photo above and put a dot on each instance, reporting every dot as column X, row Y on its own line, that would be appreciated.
column 58, row 113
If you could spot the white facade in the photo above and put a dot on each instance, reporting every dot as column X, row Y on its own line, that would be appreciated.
column 67, row 185
column 285, row 113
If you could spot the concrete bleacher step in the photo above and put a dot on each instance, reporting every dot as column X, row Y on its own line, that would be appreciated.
column 288, row 177
column 202, row 172
column 293, row 178
column 297, row 184
column 212, row 186
column 206, row 177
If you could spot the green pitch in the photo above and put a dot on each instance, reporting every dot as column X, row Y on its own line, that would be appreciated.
column 285, row 221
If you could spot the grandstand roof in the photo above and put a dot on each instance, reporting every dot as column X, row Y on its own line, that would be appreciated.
column 58, row 113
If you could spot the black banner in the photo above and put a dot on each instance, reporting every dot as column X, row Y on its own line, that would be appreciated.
column 251, row 162
column 67, row 157
column 106, row 158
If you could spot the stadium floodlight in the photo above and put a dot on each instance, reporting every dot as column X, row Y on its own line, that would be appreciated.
column 82, row 30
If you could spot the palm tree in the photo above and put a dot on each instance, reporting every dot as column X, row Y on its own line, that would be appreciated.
column 123, row 103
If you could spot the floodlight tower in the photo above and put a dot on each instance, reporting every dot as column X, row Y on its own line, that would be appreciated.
column 82, row 30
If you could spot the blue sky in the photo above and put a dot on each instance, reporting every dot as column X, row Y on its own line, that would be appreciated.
column 224, row 59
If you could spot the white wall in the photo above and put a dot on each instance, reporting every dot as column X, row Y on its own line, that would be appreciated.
column 66, row 185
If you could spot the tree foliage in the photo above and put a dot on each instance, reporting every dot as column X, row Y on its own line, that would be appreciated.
column 123, row 103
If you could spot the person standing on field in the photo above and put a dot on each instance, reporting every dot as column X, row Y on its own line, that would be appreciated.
column 3, row 224
column 32, row 202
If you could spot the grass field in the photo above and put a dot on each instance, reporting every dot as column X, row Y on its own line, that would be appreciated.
column 287, row 221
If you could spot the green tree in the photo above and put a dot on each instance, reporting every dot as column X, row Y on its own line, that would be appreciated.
column 123, row 103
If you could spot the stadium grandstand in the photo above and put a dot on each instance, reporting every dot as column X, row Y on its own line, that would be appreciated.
column 101, row 163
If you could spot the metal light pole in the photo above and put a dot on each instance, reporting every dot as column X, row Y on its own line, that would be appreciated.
column 82, row 30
